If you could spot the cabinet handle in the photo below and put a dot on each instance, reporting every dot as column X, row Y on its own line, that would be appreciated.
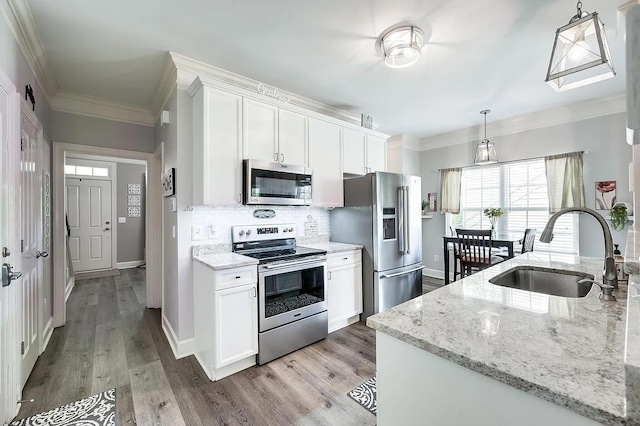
column 255, row 293
column 240, row 198
column 345, row 258
column 237, row 277
column 329, row 275
column 275, row 156
column 282, row 158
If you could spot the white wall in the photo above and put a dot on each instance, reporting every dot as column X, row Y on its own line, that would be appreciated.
column 608, row 159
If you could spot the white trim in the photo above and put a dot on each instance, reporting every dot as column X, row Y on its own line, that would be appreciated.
column 20, row 21
column 47, row 332
column 180, row 349
column 343, row 322
column 584, row 110
column 433, row 273
column 129, row 265
column 71, row 283
column 107, row 159
column 624, row 8
column 152, row 236
column 91, row 106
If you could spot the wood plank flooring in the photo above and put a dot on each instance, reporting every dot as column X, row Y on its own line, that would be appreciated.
column 112, row 341
column 430, row 284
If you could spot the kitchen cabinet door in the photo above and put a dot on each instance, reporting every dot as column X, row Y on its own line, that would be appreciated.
column 292, row 138
column 376, row 154
column 353, row 152
column 217, row 147
column 260, row 131
column 236, row 324
column 344, row 294
column 325, row 158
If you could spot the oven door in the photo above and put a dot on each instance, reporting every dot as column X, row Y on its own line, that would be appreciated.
column 291, row 291
column 276, row 184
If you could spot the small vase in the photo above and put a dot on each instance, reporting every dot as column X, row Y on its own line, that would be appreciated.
column 493, row 232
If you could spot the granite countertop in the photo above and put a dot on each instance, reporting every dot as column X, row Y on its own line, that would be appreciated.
column 332, row 247
column 219, row 261
column 632, row 349
column 568, row 351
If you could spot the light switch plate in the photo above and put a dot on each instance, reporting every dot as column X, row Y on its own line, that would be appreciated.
column 173, row 204
column 122, row 220
column 212, row 231
column 196, row 233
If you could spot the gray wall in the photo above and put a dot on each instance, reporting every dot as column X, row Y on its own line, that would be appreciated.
column 83, row 130
column 131, row 234
column 13, row 64
column 608, row 159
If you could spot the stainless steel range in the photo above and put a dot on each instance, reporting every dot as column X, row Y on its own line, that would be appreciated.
column 291, row 288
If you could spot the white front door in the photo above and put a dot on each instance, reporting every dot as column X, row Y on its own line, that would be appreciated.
column 89, row 216
column 9, row 253
column 31, row 234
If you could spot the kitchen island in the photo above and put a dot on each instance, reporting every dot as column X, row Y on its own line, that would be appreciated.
column 477, row 353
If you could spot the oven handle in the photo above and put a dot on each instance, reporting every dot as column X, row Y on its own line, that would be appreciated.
column 289, row 264
column 419, row 268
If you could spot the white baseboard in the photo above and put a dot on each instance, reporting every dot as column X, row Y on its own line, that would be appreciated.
column 46, row 333
column 337, row 325
column 69, row 288
column 434, row 273
column 129, row 265
column 180, row 349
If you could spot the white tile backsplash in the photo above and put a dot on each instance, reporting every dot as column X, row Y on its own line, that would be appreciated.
column 310, row 222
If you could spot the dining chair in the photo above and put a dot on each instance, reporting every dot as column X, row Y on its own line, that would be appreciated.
column 475, row 250
column 528, row 240
column 456, row 257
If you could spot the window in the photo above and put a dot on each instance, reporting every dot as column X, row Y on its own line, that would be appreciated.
column 520, row 188
column 86, row 171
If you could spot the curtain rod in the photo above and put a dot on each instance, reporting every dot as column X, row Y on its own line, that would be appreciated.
column 509, row 162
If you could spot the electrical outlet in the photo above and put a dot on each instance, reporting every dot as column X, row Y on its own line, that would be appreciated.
column 436, row 258
column 122, row 220
column 196, row 233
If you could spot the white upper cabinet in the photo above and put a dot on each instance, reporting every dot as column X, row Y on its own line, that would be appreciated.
column 325, row 158
column 292, row 138
column 217, row 147
column 353, row 151
column 376, row 154
column 260, row 131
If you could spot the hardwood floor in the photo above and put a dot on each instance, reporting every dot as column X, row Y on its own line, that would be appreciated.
column 112, row 341
column 430, row 284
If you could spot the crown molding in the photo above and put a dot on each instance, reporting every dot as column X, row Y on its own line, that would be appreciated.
column 405, row 141
column 624, row 8
column 583, row 110
column 90, row 106
column 165, row 86
column 20, row 21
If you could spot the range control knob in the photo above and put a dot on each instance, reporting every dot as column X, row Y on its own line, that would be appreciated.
column 248, row 231
column 241, row 233
column 285, row 230
column 290, row 229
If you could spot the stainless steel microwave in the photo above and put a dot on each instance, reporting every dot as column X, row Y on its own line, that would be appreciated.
column 276, row 184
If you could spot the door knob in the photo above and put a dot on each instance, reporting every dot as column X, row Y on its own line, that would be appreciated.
column 5, row 252
column 40, row 254
column 107, row 229
column 8, row 275
column 107, row 222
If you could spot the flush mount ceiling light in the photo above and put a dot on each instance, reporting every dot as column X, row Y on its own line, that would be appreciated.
column 402, row 46
column 486, row 151
column 580, row 54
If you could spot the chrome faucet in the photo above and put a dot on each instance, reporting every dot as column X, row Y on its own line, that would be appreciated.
column 609, row 275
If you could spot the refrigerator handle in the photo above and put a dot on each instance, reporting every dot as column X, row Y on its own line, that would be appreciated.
column 401, row 216
column 407, row 225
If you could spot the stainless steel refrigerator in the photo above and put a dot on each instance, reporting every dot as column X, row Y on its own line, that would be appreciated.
column 382, row 212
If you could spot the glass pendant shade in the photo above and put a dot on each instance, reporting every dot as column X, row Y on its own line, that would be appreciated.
column 486, row 153
column 580, row 54
column 402, row 46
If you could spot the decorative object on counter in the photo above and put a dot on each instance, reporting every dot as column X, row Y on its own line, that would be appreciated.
column 402, row 46
column 432, row 201
column 493, row 214
column 310, row 227
column 169, row 182
column 616, row 250
column 366, row 395
column 366, row 121
column 580, row 54
column 619, row 218
column 620, row 273
column 485, row 151
column 264, row 213
column 605, row 194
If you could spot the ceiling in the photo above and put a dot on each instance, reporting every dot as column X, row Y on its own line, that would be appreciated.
column 480, row 54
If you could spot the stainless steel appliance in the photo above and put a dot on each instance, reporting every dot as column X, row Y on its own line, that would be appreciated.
column 276, row 183
column 382, row 212
column 292, row 301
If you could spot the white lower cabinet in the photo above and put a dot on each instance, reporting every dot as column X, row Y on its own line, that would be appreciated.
column 225, row 319
column 344, row 289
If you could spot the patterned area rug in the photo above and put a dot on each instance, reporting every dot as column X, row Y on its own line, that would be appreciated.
column 366, row 395
column 97, row 410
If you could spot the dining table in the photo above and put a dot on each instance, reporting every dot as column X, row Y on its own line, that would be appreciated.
column 507, row 241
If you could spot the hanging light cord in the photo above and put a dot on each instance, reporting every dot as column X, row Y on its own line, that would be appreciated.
column 485, row 127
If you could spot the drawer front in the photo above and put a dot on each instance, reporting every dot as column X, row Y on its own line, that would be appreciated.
column 228, row 278
column 335, row 260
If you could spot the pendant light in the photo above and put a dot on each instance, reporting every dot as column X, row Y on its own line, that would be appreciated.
column 580, row 54
column 486, row 151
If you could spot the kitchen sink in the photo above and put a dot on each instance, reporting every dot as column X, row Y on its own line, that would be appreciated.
column 545, row 281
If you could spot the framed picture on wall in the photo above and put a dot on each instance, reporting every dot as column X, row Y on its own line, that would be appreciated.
column 169, row 183
column 605, row 194
column 432, row 203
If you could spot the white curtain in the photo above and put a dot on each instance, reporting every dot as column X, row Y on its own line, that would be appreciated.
column 565, row 183
column 450, row 189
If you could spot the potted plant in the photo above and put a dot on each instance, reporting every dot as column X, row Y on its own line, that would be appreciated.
column 493, row 214
column 424, row 207
column 618, row 216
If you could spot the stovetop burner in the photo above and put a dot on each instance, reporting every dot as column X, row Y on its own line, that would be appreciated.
column 271, row 255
